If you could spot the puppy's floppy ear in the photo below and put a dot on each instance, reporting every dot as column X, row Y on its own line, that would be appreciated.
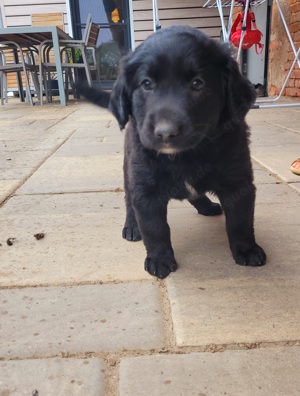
column 120, row 100
column 239, row 93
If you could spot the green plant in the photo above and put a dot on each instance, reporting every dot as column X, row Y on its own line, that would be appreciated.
column 77, row 53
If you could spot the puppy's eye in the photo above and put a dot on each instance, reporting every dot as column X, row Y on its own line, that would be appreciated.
column 197, row 84
column 147, row 84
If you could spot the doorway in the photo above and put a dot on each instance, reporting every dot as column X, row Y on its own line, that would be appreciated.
column 114, row 39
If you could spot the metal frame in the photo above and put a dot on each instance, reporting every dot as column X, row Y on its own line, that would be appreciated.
column 220, row 4
column 156, row 23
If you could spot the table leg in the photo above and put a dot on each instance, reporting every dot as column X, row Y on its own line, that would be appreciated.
column 41, row 73
column 59, row 69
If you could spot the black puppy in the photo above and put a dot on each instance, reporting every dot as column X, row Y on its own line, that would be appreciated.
column 184, row 102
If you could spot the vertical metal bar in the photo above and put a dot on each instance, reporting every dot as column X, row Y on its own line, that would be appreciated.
column 154, row 14
column 131, row 22
column 243, row 28
column 41, row 72
column 156, row 24
column 230, row 19
column 19, row 77
column 224, row 31
column 58, row 66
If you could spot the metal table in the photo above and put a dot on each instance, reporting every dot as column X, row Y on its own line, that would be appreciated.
column 34, row 36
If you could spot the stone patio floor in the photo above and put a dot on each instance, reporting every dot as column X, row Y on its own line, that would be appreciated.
column 78, row 313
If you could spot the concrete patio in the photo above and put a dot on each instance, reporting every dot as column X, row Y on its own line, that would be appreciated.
column 80, row 316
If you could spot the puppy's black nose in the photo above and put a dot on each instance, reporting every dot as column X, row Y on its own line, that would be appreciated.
column 165, row 130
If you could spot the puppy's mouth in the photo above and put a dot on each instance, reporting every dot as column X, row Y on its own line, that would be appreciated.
column 168, row 137
column 166, row 149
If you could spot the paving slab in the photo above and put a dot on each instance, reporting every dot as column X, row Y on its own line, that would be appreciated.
column 90, row 146
column 295, row 186
column 35, row 136
column 275, row 193
column 287, row 118
column 290, row 122
column 109, row 128
column 46, row 142
column 234, row 311
column 265, row 372
column 213, row 300
column 40, row 322
column 278, row 159
column 7, row 187
column 52, row 377
column 263, row 175
column 92, row 120
column 18, row 111
column 83, row 240
column 55, row 113
column 76, row 174
column 275, row 137
column 20, row 165
column 269, row 134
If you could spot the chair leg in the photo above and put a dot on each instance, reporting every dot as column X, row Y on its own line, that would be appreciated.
column 86, row 66
column 72, row 83
column 66, row 75
column 5, row 88
column 2, row 87
column 46, row 85
column 48, row 88
column 36, row 83
column 28, row 93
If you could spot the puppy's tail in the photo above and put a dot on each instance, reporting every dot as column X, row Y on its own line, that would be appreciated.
column 94, row 95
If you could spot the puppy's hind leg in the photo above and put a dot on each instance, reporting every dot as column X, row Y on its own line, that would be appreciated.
column 131, row 230
column 205, row 206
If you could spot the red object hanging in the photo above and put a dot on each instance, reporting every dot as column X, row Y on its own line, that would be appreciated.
column 251, row 36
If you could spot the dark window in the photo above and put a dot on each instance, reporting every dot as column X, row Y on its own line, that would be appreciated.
column 114, row 38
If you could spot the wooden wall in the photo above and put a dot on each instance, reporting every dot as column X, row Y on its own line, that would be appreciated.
column 18, row 12
column 175, row 12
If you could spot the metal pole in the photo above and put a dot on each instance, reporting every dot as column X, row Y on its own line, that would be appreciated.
column 271, row 106
column 224, row 31
column 154, row 14
column 156, row 24
column 243, row 28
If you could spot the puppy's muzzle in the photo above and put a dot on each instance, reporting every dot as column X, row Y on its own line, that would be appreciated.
column 166, row 131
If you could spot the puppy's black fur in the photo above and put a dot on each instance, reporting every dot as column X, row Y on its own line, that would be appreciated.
column 184, row 101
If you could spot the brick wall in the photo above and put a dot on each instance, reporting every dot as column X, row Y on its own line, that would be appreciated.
column 281, row 53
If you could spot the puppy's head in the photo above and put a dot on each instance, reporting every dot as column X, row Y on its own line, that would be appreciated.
column 180, row 87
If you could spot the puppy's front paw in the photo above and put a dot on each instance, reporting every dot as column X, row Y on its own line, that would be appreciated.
column 161, row 266
column 254, row 257
column 131, row 233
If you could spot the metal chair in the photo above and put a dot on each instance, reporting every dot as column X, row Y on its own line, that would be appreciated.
column 14, row 59
column 72, row 53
